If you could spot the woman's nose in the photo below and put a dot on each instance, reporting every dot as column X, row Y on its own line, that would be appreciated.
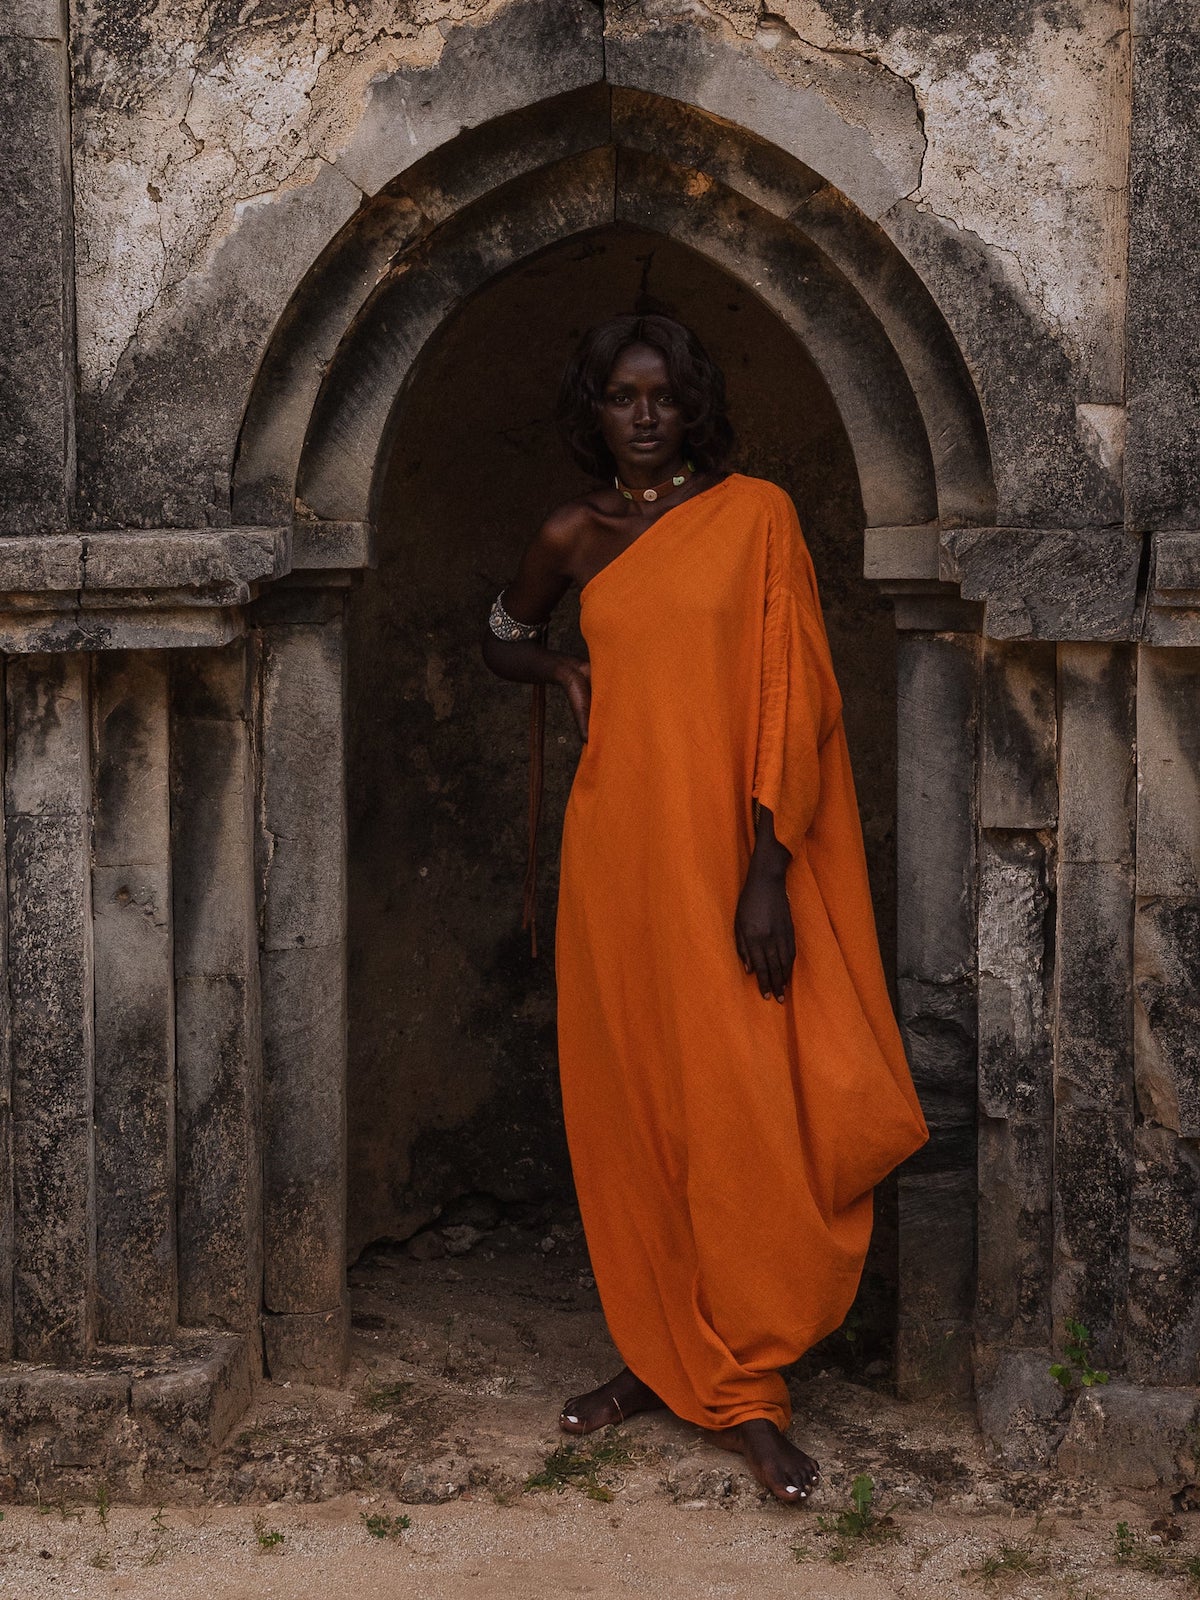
column 643, row 411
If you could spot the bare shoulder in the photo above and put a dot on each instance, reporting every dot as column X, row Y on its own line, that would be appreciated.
column 560, row 534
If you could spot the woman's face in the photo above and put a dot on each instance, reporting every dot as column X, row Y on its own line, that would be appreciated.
column 640, row 418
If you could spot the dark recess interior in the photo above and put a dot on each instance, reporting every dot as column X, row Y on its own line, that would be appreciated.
column 454, row 1113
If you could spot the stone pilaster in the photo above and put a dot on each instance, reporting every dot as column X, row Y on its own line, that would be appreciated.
column 303, row 853
column 936, row 966
column 134, row 1010
column 47, row 804
column 218, row 1045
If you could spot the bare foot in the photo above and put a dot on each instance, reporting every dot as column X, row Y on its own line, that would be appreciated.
column 615, row 1401
column 775, row 1461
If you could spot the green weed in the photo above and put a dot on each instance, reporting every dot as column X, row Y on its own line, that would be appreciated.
column 268, row 1538
column 582, row 1467
column 1077, row 1368
column 1155, row 1555
column 860, row 1523
column 1009, row 1561
column 383, row 1396
column 380, row 1526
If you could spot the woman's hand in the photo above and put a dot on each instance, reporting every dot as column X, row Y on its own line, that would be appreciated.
column 575, row 676
column 762, row 924
column 763, row 931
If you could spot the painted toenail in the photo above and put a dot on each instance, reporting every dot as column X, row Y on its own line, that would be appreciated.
column 572, row 1419
column 792, row 1489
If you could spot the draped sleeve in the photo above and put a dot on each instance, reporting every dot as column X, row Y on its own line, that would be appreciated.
column 799, row 701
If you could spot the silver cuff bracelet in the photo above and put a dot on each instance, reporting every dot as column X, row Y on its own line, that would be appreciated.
column 506, row 627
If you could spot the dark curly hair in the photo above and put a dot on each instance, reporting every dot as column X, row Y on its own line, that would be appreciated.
column 695, row 378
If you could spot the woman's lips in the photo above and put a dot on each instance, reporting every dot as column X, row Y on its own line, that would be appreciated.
column 645, row 443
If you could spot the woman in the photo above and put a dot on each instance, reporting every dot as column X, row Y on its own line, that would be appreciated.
column 733, row 1080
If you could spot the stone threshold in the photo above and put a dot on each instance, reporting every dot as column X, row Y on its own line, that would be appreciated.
column 133, row 1413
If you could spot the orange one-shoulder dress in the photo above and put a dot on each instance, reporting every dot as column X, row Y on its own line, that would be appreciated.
column 724, row 1146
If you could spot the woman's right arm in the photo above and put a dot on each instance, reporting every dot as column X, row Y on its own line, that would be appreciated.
column 542, row 578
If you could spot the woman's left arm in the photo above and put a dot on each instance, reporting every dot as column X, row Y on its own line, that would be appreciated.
column 762, row 925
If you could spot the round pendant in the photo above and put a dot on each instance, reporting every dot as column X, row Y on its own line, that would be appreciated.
column 649, row 494
column 677, row 481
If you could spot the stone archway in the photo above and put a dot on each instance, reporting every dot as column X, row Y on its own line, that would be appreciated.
column 321, row 426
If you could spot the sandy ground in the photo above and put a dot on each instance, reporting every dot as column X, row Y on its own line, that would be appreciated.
column 415, row 1480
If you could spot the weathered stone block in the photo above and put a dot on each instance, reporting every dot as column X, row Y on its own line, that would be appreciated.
column 48, row 737
column 1168, row 760
column 938, row 1023
column 1023, row 1411
column 1093, row 1161
column 1018, row 780
column 134, row 1101
column 31, row 563
column 935, row 806
column 1015, row 1242
column 304, row 1156
column 324, row 545
column 219, row 1157
column 131, row 822
column 1096, row 752
column 1162, row 479
column 218, row 1041
column 1047, row 583
column 185, row 1413
column 65, row 1418
column 104, row 627
column 908, row 555
column 1163, row 1334
column 227, row 559
column 1129, row 1437
column 33, row 19
column 211, row 814
column 308, row 1348
column 1014, row 1044
column 1094, row 979
column 1167, row 1013
column 35, row 367
column 47, row 794
column 937, row 1281
column 303, row 806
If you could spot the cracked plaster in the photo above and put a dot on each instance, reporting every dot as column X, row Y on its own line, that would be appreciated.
column 188, row 121
column 182, row 123
column 1025, row 124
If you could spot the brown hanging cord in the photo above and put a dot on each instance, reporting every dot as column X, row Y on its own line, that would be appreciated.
column 537, row 742
column 537, row 726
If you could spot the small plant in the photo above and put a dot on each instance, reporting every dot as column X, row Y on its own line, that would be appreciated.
column 861, row 1523
column 268, row 1538
column 1077, row 1368
column 383, row 1396
column 1154, row 1554
column 158, row 1520
column 102, row 1505
column 1009, row 1561
column 581, row 1466
column 380, row 1526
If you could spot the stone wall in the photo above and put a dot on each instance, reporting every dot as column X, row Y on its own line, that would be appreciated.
column 236, row 241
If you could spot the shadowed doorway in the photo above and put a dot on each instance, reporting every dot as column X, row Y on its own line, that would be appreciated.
column 453, row 1102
